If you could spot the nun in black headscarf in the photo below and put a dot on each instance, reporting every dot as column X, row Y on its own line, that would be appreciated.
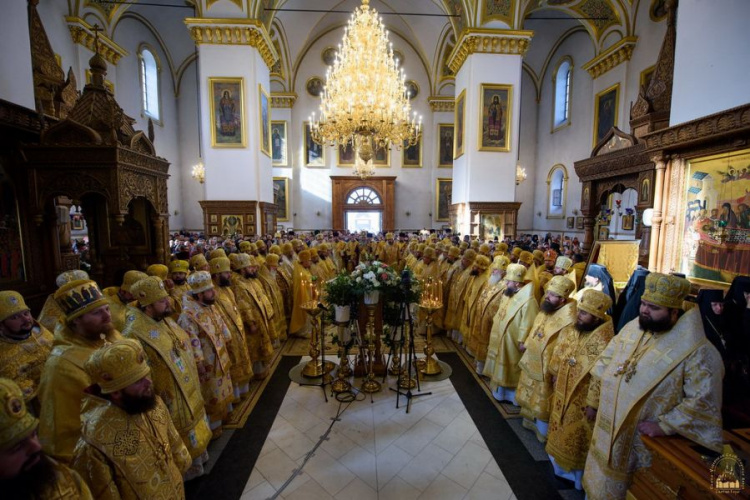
column 598, row 278
column 629, row 303
column 715, row 323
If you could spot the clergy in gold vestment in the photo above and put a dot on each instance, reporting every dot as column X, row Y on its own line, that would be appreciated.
column 457, row 292
column 173, row 371
column 510, row 327
column 545, row 271
column 87, row 320
column 299, row 324
column 535, row 382
column 121, row 298
column 51, row 311
column 659, row 376
column 391, row 253
column 208, row 333
column 474, row 287
column 571, row 420
column 226, row 305
column 177, row 285
column 447, row 267
column 25, row 470
column 267, row 273
column 485, row 310
column 24, row 346
column 256, row 311
column 129, row 447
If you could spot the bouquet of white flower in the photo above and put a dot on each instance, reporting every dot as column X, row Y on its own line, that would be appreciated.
column 374, row 276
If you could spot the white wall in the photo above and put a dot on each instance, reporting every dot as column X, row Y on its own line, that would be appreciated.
column 16, row 81
column 712, row 65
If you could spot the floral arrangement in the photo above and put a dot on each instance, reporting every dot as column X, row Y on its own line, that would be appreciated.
column 373, row 276
column 341, row 290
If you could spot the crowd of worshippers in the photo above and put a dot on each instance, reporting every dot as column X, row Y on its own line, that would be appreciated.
column 116, row 393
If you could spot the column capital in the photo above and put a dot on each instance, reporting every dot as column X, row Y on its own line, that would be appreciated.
column 442, row 103
column 488, row 41
column 283, row 99
column 82, row 34
column 233, row 32
column 612, row 57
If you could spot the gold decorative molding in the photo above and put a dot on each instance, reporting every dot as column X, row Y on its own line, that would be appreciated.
column 234, row 32
column 283, row 99
column 612, row 57
column 440, row 103
column 488, row 41
column 82, row 34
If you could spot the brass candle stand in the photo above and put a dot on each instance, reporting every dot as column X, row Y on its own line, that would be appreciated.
column 341, row 384
column 369, row 384
column 432, row 300
column 316, row 368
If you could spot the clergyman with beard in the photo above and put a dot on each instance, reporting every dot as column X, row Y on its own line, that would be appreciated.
column 177, row 284
column 571, row 413
column 24, row 346
column 87, row 326
column 534, row 392
column 209, row 335
column 510, row 327
column 26, row 472
column 659, row 376
column 121, row 402
column 173, row 371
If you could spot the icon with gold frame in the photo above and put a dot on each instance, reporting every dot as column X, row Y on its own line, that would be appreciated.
column 264, row 121
column 281, row 198
column 605, row 111
column 227, row 106
column 495, row 106
column 458, row 124
column 443, row 195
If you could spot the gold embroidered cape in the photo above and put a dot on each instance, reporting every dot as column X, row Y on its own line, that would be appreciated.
column 481, row 323
column 241, row 370
column 257, row 313
column 23, row 361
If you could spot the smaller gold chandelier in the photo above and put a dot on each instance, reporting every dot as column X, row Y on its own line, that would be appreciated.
column 520, row 174
column 199, row 172
column 363, row 169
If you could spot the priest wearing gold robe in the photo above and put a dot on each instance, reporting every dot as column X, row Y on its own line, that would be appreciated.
column 557, row 311
column 24, row 346
column 226, row 305
column 177, row 285
column 120, row 299
column 88, row 325
column 510, row 327
column 267, row 273
column 477, row 282
column 173, row 370
column 659, row 376
column 129, row 447
column 299, row 323
column 450, row 263
column 571, row 420
column 485, row 310
column 25, row 470
column 457, row 293
column 51, row 312
column 256, row 311
column 208, row 333
column 391, row 254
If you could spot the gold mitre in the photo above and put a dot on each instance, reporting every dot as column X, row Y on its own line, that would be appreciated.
column 251, row 261
column 260, row 244
column 388, row 236
column 149, row 290
column 470, row 254
column 594, row 302
column 159, row 270
column 482, row 262
column 429, row 252
column 200, row 282
column 526, row 257
column 538, row 254
column 484, row 249
column 79, row 297
column 501, row 263
column 561, row 286
column 666, row 290
column 220, row 265
column 117, row 365
column 239, row 261
column 16, row 423
column 11, row 302
column 516, row 272
column 245, row 246
column 276, row 249
column 179, row 266
column 272, row 260
column 563, row 263
column 304, row 256
column 454, row 252
column 198, row 260
column 502, row 247
column 219, row 252
column 517, row 251
column 131, row 278
column 68, row 276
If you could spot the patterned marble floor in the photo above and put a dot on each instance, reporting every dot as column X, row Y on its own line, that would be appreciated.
column 375, row 450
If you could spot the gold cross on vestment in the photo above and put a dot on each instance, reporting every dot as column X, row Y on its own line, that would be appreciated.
column 663, row 356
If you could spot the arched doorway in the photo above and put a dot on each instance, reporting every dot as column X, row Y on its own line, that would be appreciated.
column 364, row 210
column 366, row 204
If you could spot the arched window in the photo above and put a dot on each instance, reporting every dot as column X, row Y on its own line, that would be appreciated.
column 149, row 69
column 363, row 196
column 557, row 184
column 562, row 80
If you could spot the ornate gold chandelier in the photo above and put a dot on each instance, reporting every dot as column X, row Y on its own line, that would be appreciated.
column 364, row 103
